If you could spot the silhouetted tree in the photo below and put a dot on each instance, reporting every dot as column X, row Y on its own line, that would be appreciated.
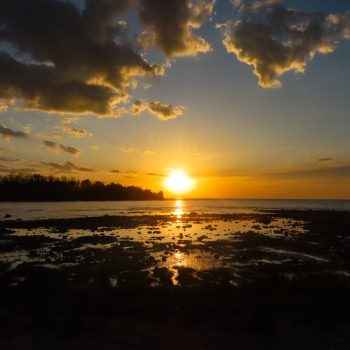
column 22, row 187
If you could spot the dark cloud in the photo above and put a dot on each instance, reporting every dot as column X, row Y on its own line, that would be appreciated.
column 11, row 160
column 7, row 132
column 66, row 167
column 276, row 40
column 17, row 170
column 65, row 60
column 42, row 87
column 70, row 150
column 59, row 147
column 324, row 160
column 49, row 144
column 160, row 110
column 115, row 171
column 99, row 15
column 170, row 23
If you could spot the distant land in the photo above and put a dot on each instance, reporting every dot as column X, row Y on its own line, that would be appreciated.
column 38, row 188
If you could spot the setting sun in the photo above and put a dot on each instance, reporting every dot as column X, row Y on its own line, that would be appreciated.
column 179, row 182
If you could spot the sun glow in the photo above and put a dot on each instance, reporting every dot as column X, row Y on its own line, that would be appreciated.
column 179, row 182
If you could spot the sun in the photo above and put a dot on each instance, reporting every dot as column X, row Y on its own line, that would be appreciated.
column 178, row 182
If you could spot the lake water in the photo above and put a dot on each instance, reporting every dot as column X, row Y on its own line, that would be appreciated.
column 44, row 210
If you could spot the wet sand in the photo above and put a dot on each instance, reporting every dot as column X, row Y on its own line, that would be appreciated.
column 275, row 279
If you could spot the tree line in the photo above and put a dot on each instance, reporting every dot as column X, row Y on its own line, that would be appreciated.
column 35, row 188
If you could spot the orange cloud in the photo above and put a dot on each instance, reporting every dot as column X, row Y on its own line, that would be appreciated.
column 161, row 110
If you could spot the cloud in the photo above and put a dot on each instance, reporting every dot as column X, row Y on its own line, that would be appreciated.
column 155, row 174
column 59, row 147
column 27, row 129
column 160, row 110
column 54, row 135
column 7, row 132
column 70, row 150
column 66, row 167
column 66, row 60
column 324, row 160
column 332, row 173
column 140, row 152
column 12, row 160
column 49, row 144
column 277, row 40
column 74, row 132
column 133, row 172
column 99, row 15
column 65, row 126
column 5, row 170
column 69, row 120
column 3, row 105
column 95, row 147
column 126, row 149
column 253, row 5
column 170, row 25
column 149, row 152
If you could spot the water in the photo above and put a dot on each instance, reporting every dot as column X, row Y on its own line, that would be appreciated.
column 175, row 248
column 45, row 210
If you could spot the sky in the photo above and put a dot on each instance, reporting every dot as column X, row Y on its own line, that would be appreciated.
column 250, row 98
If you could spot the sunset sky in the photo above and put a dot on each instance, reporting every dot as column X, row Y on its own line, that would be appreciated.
column 250, row 98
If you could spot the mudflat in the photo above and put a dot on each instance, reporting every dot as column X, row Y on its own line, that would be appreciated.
column 272, row 279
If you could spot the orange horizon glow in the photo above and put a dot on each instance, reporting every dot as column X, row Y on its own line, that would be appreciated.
column 239, row 187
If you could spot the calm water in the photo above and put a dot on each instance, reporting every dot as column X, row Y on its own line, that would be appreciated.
column 44, row 210
column 178, row 249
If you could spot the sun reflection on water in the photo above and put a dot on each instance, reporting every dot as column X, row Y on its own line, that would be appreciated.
column 197, row 260
column 179, row 259
column 178, row 212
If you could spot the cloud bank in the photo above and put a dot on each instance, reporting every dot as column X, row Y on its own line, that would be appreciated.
column 59, row 58
column 64, row 60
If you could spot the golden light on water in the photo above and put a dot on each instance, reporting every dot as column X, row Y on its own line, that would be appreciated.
column 179, row 182
column 178, row 212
